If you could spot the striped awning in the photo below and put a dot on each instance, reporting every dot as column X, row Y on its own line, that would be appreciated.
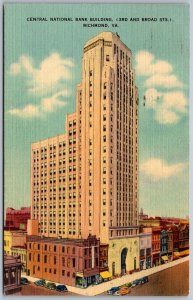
column 105, row 274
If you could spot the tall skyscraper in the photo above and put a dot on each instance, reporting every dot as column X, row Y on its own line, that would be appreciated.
column 85, row 182
column 107, row 122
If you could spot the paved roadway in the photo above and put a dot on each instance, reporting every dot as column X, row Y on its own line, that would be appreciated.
column 33, row 290
column 170, row 282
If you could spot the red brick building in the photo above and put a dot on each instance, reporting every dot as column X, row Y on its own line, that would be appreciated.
column 156, row 245
column 73, row 262
column 17, row 218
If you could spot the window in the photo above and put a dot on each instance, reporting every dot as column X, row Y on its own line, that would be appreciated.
column 73, row 262
column 54, row 248
column 45, row 259
column 107, row 58
column 63, row 272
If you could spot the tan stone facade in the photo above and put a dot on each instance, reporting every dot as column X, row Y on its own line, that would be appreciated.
column 85, row 182
column 107, row 116
column 116, row 249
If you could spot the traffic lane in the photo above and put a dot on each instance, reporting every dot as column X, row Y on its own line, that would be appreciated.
column 33, row 290
column 170, row 282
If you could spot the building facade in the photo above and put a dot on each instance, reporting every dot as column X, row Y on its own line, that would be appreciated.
column 11, row 274
column 14, row 238
column 145, row 248
column 19, row 251
column 164, row 245
column 67, row 261
column 17, row 218
column 156, row 246
column 85, row 182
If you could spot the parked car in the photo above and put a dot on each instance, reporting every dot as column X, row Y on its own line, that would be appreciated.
column 113, row 290
column 61, row 288
column 123, row 291
column 40, row 282
column 144, row 279
column 50, row 285
column 129, row 284
column 136, row 282
column 24, row 281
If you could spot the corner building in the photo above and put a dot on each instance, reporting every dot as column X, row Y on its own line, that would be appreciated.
column 104, row 186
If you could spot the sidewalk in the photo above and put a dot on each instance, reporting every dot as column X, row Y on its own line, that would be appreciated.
column 101, row 288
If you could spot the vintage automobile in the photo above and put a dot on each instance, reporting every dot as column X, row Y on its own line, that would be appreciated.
column 123, row 291
column 24, row 281
column 113, row 290
column 61, row 288
column 50, row 285
column 40, row 282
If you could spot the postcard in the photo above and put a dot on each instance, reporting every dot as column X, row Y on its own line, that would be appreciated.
column 96, row 149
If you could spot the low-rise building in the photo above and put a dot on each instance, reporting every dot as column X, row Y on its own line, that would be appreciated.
column 156, row 246
column 170, row 243
column 183, row 239
column 164, row 246
column 17, row 218
column 20, row 251
column 145, row 247
column 11, row 274
column 73, row 262
column 14, row 238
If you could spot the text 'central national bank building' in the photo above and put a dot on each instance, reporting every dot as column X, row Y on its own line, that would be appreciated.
column 85, row 182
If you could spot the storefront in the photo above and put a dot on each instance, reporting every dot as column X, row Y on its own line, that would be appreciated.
column 84, row 282
column 164, row 259
column 105, row 275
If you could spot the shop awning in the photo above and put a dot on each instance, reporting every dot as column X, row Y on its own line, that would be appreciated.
column 176, row 254
column 165, row 258
column 79, row 274
column 184, row 253
column 105, row 274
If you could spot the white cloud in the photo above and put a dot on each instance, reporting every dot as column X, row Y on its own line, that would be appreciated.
column 49, row 77
column 47, row 105
column 29, row 111
column 159, row 72
column 163, row 81
column 158, row 169
column 147, row 65
column 169, row 107
column 46, row 82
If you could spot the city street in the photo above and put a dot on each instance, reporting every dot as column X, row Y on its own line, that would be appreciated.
column 33, row 290
column 170, row 282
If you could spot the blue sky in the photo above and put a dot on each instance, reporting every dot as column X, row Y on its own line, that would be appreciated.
column 36, row 99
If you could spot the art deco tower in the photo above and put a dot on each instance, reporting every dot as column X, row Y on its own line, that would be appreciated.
column 86, row 181
column 107, row 122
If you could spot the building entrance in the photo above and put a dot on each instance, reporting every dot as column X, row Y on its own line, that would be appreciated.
column 123, row 260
